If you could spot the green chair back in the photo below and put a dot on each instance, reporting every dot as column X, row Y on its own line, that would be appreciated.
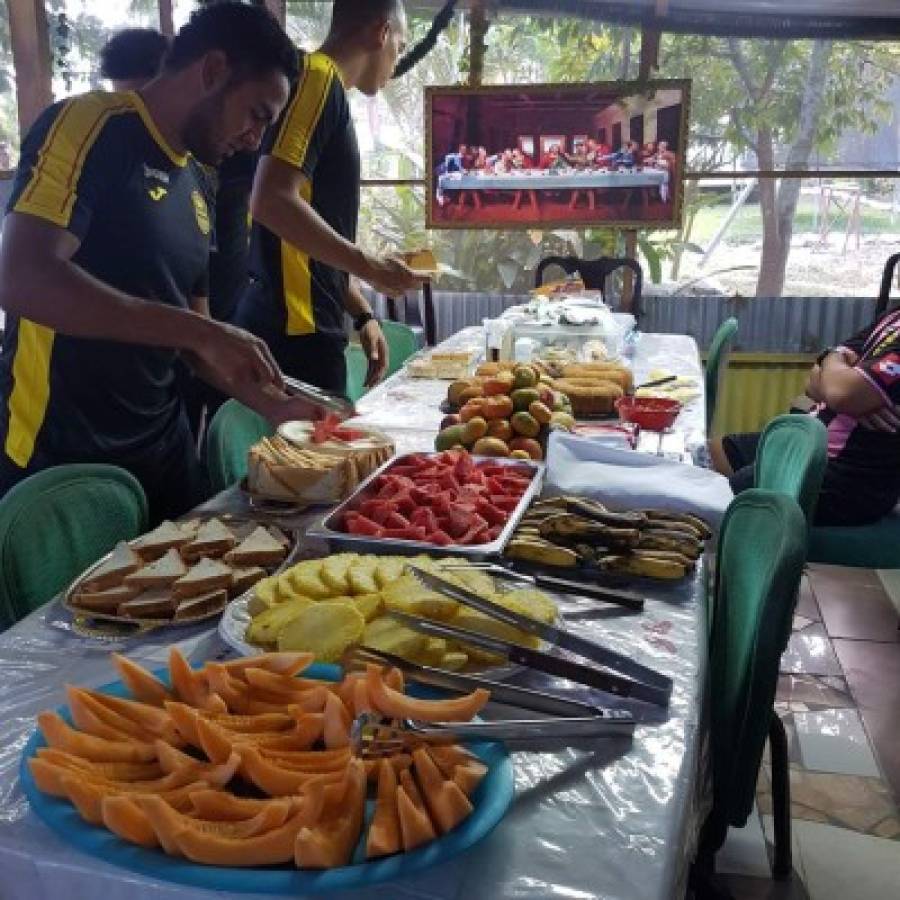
column 402, row 343
column 762, row 548
column 357, row 369
column 875, row 546
column 792, row 455
column 716, row 367
column 233, row 431
column 56, row 523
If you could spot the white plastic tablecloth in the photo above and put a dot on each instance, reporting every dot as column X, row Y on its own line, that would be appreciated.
column 620, row 822
column 540, row 180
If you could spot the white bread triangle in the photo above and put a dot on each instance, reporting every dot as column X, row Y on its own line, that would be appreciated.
column 259, row 548
column 204, row 605
column 164, row 537
column 244, row 579
column 107, row 601
column 203, row 577
column 213, row 538
column 155, row 604
column 161, row 573
column 122, row 561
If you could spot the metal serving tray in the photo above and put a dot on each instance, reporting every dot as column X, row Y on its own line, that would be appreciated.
column 328, row 530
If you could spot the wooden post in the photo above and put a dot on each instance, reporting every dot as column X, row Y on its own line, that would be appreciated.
column 31, row 59
column 478, row 29
column 166, row 19
column 278, row 8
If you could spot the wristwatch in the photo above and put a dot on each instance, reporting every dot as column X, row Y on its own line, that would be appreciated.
column 363, row 319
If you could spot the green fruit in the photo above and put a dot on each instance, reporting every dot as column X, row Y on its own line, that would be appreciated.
column 475, row 429
column 525, row 424
column 562, row 421
column 490, row 447
column 524, row 377
column 524, row 397
column 449, row 437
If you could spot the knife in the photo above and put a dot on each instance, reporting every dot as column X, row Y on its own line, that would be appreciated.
column 550, row 633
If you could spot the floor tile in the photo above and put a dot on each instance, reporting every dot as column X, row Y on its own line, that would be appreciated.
column 890, row 579
column 849, row 801
column 872, row 671
column 840, row 865
column 796, row 851
column 809, row 653
column 806, row 601
column 813, row 692
column 833, row 740
column 744, row 851
column 854, row 606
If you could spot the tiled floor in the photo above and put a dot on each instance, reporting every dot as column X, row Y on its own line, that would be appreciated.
column 839, row 699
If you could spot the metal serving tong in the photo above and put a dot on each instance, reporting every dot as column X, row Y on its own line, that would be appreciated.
column 657, row 382
column 641, row 682
column 576, row 589
column 373, row 736
column 326, row 399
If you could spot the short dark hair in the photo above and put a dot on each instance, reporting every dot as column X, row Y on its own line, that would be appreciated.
column 348, row 15
column 133, row 53
column 250, row 37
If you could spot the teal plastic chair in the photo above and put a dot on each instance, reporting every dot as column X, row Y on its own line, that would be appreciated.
column 875, row 546
column 791, row 459
column 762, row 548
column 402, row 343
column 717, row 366
column 56, row 523
column 233, row 431
column 357, row 369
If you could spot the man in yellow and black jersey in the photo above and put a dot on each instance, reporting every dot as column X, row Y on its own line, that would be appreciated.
column 104, row 259
column 305, row 204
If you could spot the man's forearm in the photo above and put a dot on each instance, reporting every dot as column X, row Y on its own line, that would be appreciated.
column 354, row 300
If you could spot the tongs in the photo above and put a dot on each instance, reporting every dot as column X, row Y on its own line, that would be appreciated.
column 336, row 403
column 641, row 682
column 657, row 382
column 373, row 735
column 576, row 589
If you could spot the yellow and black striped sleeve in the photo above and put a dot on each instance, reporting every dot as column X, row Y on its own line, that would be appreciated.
column 317, row 107
column 66, row 165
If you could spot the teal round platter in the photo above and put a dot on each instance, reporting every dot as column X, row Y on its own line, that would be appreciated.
column 490, row 801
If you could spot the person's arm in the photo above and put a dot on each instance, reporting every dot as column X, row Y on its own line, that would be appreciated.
column 371, row 337
column 846, row 389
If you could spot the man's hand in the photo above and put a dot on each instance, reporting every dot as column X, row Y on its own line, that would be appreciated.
column 235, row 358
column 371, row 338
column 390, row 276
column 886, row 419
column 278, row 407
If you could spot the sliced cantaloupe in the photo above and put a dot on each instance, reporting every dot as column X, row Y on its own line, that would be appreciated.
column 396, row 705
column 312, row 761
column 361, row 700
column 222, row 806
column 415, row 824
column 336, row 732
column 125, row 819
column 310, row 701
column 255, row 707
column 144, row 686
column 277, row 684
column 275, row 780
column 111, row 717
column 384, row 836
column 151, row 719
column 114, row 771
column 446, row 803
column 252, row 724
column 394, row 679
column 347, row 687
column 285, row 663
column 468, row 776
column 58, row 733
column 216, row 743
column 185, row 719
column 190, row 686
column 86, row 717
column 308, row 729
column 397, row 761
column 172, row 760
column 448, row 756
column 330, row 842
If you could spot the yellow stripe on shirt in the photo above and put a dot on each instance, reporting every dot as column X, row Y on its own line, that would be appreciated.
column 305, row 109
column 53, row 187
column 31, row 390
column 297, row 282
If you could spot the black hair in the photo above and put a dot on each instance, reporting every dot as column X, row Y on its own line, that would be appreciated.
column 133, row 53
column 350, row 15
column 250, row 37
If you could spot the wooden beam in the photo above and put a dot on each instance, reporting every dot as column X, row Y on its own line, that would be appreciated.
column 30, row 39
column 166, row 18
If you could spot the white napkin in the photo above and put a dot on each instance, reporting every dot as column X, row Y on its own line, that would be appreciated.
column 625, row 479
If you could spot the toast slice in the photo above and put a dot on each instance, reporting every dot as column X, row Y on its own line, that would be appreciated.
column 213, row 539
column 259, row 548
column 207, row 575
column 122, row 561
column 163, row 572
column 162, row 539
column 203, row 605
column 107, row 601
column 244, row 579
column 156, row 604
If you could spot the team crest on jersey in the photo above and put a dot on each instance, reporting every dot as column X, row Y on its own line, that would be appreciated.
column 201, row 210
column 887, row 369
column 157, row 193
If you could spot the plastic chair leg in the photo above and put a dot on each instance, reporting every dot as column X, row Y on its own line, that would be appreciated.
column 781, row 799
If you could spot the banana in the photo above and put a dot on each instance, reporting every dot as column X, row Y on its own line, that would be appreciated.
column 541, row 552
column 661, row 515
column 587, row 553
column 590, row 509
column 647, row 567
column 683, row 528
column 566, row 527
column 676, row 541
column 550, row 503
column 672, row 555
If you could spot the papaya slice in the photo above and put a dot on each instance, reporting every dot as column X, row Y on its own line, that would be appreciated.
column 397, row 761
column 167, row 821
column 151, row 719
column 396, row 705
column 362, row 703
column 185, row 719
column 144, row 686
column 415, row 824
column 125, row 819
column 336, row 732
column 275, row 780
column 97, row 720
column 278, row 684
column 468, row 776
column 190, row 686
column 283, row 663
column 222, row 806
column 394, row 679
column 310, row 701
column 384, row 837
column 330, row 842
column 113, row 771
column 311, row 761
column 446, row 803
column 308, row 729
column 252, row 724
column 346, row 689
column 216, row 742
column 172, row 761
column 449, row 756
column 58, row 733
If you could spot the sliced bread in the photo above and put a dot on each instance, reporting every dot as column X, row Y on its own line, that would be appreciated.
column 244, row 579
column 213, row 538
column 204, row 605
column 155, row 604
column 163, row 538
column 259, row 548
column 163, row 572
column 122, row 561
column 107, row 601
column 203, row 577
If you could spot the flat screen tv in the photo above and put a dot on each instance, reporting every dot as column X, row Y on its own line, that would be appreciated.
column 536, row 156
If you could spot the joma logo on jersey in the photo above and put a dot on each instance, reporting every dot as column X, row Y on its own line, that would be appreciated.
column 157, row 193
column 158, row 174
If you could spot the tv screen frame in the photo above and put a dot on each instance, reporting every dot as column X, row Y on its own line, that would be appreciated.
column 607, row 194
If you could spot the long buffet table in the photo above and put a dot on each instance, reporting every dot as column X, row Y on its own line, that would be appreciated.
column 618, row 822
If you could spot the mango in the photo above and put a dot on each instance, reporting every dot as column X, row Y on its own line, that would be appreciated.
column 449, row 437
column 524, row 397
column 524, row 377
column 500, row 428
column 525, row 424
column 455, row 391
column 490, row 447
column 529, row 446
column 475, row 429
column 541, row 412
column 500, row 407
column 562, row 420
